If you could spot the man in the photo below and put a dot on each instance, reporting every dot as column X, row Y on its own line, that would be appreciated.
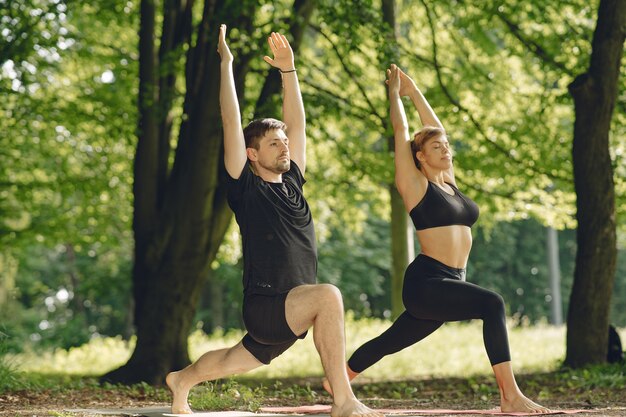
column 266, row 163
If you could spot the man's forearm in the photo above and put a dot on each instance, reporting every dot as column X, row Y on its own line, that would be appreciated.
column 234, row 144
column 231, row 116
column 293, row 106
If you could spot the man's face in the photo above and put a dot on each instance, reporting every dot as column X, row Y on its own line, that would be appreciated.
column 273, row 152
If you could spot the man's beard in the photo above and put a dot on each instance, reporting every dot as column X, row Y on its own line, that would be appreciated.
column 283, row 166
column 279, row 167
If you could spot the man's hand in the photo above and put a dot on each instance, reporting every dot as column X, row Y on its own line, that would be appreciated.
column 283, row 55
column 222, row 47
column 394, row 79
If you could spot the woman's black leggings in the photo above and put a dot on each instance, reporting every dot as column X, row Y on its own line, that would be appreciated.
column 434, row 293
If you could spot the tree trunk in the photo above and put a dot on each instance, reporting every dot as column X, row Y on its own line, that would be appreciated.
column 594, row 96
column 401, row 237
column 401, row 249
column 180, row 217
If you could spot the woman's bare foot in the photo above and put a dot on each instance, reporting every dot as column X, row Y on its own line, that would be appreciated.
column 179, row 394
column 521, row 404
column 353, row 408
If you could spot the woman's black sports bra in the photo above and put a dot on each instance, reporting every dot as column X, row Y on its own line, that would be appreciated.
column 439, row 208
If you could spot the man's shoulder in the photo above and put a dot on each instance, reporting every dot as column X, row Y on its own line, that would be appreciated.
column 294, row 174
column 238, row 189
column 246, row 179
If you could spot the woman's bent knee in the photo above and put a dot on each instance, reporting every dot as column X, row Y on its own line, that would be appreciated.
column 494, row 305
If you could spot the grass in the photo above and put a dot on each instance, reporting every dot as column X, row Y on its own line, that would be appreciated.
column 449, row 366
column 10, row 377
column 455, row 350
column 226, row 395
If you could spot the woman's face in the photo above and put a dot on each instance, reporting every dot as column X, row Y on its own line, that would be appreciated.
column 436, row 153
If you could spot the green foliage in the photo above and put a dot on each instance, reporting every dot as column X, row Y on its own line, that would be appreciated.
column 29, row 26
column 295, row 392
column 454, row 350
column 511, row 259
column 141, row 390
column 68, row 183
column 597, row 376
column 67, row 298
column 225, row 395
column 69, row 131
column 361, row 275
column 11, row 379
column 93, row 358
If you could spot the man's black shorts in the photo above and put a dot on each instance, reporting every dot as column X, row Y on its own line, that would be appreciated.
column 268, row 334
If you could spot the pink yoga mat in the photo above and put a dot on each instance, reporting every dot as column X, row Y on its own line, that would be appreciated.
column 325, row 409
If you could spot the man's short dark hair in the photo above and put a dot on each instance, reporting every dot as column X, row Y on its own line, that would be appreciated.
column 256, row 129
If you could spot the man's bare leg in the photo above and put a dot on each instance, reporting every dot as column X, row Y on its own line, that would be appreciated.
column 212, row 365
column 321, row 306
column 511, row 397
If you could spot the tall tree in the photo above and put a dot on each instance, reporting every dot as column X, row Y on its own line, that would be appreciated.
column 401, row 232
column 594, row 94
column 180, row 215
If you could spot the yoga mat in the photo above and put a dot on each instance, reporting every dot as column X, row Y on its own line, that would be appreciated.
column 317, row 410
column 325, row 409
column 165, row 411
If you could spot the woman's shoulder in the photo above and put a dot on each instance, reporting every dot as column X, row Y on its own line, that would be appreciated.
column 415, row 192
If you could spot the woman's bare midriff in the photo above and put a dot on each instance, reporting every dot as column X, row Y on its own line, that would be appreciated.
column 449, row 245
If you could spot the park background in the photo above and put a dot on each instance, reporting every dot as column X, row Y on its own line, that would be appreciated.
column 114, row 228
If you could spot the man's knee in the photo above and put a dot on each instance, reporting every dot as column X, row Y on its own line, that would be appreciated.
column 330, row 294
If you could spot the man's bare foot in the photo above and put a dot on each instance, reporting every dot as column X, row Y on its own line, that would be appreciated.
column 353, row 408
column 521, row 404
column 326, row 386
column 351, row 376
column 179, row 394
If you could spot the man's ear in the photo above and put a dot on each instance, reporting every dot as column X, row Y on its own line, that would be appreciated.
column 252, row 154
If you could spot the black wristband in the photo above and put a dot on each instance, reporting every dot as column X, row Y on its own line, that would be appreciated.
column 284, row 72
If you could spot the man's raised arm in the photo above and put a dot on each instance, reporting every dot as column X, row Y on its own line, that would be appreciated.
column 293, row 108
column 234, row 144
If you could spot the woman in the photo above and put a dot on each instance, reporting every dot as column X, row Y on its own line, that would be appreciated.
column 435, row 290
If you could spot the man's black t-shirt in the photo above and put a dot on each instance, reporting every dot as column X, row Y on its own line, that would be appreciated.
column 279, row 250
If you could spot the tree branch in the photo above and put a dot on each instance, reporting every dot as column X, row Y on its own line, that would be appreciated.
column 533, row 46
column 348, row 71
column 473, row 120
column 363, row 112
